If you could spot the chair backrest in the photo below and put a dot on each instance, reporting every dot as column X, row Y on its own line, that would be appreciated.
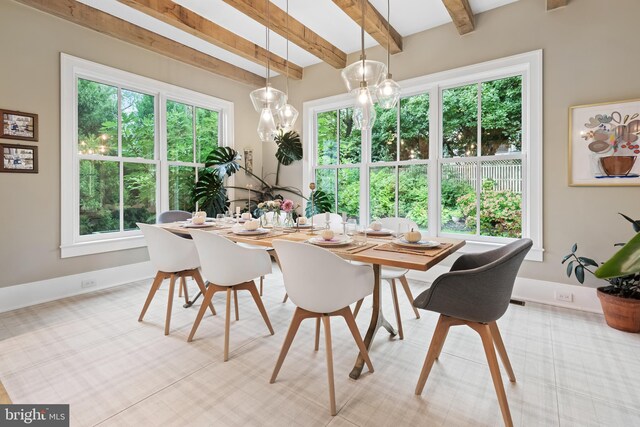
column 169, row 252
column 173, row 216
column 478, row 287
column 225, row 263
column 320, row 281
column 392, row 223
column 335, row 221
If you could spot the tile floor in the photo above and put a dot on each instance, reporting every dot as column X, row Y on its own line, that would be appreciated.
column 90, row 351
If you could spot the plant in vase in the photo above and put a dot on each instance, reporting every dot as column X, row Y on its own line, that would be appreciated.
column 620, row 300
column 289, row 208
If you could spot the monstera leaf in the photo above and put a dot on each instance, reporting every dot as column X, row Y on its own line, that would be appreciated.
column 224, row 160
column 289, row 147
column 624, row 262
column 321, row 203
column 210, row 193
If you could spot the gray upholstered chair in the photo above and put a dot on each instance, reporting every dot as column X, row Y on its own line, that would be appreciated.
column 173, row 216
column 475, row 292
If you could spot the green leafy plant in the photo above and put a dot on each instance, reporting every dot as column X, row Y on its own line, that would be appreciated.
column 500, row 211
column 622, row 271
column 289, row 149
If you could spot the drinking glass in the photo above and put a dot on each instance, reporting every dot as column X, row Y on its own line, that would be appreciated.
column 352, row 228
column 220, row 219
column 401, row 230
column 361, row 235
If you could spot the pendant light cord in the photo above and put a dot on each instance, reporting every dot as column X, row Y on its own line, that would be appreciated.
column 287, row 50
column 362, row 42
column 267, row 42
column 388, row 37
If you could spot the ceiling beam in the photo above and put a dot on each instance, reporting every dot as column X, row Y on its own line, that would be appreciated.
column 374, row 23
column 89, row 17
column 298, row 33
column 196, row 25
column 461, row 14
column 554, row 4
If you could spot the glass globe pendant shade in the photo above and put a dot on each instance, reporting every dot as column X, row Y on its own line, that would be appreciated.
column 268, row 97
column 266, row 125
column 373, row 72
column 364, row 116
column 287, row 117
column 388, row 93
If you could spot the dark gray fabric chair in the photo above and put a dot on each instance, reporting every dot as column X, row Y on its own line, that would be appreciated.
column 475, row 292
column 173, row 216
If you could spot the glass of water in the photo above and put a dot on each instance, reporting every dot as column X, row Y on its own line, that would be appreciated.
column 220, row 219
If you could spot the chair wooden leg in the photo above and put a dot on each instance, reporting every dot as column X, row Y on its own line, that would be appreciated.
column 286, row 297
column 227, row 322
column 298, row 316
column 181, row 287
column 206, row 302
column 183, row 281
column 235, row 303
column 436, row 342
column 198, row 278
column 261, row 284
column 317, row 346
column 396, row 307
column 407, row 290
column 353, row 327
column 326, row 320
column 492, row 360
column 357, row 309
column 445, row 332
column 160, row 276
column 251, row 287
column 502, row 351
column 167, row 321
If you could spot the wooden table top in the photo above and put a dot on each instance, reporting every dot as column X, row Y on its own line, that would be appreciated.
column 366, row 254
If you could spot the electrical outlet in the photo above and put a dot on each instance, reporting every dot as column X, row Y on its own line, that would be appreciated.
column 88, row 283
column 564, row 296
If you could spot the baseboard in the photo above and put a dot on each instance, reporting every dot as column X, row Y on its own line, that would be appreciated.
column 533, row 290
column 24, row 295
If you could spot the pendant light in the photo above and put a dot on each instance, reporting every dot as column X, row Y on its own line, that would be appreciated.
column 267, row 100
column 388, row 92
column 287, row 115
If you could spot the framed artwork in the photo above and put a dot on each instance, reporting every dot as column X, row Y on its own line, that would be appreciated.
column 248, row 160
column 604, row 144
column 19, row 158
column 17, row 125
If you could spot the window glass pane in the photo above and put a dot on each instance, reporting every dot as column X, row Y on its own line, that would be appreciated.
column 138, row 125
column 502, row 116
column 350, row 138
column 458, row 197
column 382, row 192
column 384, row 135
column 349, row 192
column 179, row 132
column 206, row 133
column 181, row 183
column 326, row 181
column 414, row 127
column 413, row 194
column 501, row 198
column 327, row 138
column 97, row 118
column 99, row 196
column 460, row 121
column 139, row 194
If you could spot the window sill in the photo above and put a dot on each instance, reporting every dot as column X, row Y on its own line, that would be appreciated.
column 101, row 246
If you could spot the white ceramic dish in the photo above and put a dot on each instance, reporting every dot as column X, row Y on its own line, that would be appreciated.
column 383, row 232
column 189, row 225
column 336, row 241
column 421, row 244
column 257, row 232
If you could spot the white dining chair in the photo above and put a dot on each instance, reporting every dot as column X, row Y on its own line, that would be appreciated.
column 173, row 257
column 173, row 216
column 322, row 285
column 227, row 267
column 335, row 221
column 391, row 274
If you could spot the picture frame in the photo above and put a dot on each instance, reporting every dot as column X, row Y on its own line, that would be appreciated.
column 604, row 144
column 248, row 160
column 19, row 158
column 19, row 125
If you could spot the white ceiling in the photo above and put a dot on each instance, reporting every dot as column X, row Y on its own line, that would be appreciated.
column 322, row 16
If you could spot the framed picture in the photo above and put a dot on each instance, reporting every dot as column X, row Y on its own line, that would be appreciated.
column 248, row 160
column 19, row 158
column 604, row 144
column 17, row 125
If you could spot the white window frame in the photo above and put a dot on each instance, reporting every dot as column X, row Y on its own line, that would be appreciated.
column 71, row 69
column 529, row 66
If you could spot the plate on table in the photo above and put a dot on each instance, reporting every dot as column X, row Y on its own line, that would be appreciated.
column 302, row 227
column 190, row 225
column 336, row 241
column 382, row 232
column 421, row 244
column 256, row 232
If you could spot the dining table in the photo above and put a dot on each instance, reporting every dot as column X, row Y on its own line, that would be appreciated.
column 378, row 251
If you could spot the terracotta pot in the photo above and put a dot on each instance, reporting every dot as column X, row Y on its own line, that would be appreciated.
column 620, row 313
column 617, row 165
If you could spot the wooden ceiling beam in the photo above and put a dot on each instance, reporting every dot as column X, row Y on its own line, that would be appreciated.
column 89, row 17
column 461, row 14
column 374, row 23
column 554, row 4
column 196, row 25
column 297, row 34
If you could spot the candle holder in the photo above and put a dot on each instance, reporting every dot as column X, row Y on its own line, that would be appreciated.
column 312, row 187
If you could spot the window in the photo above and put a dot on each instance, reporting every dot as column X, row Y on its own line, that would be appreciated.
column 460, row 154
column 131, row 147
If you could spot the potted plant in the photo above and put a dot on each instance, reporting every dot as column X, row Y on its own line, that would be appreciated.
column 620, row 300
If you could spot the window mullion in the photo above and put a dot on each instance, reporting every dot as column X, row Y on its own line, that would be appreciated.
column 479, row 161
column 121, row 161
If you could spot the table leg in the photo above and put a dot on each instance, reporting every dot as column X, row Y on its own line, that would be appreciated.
column 377, row 321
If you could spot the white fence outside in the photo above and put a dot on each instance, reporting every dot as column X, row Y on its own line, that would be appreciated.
column 507, row 176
